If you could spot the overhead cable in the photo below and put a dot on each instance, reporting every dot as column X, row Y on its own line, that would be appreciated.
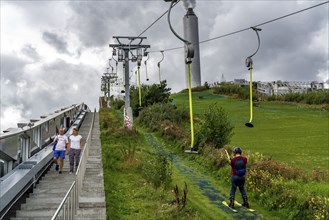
column 174, row 4
column 245, row 29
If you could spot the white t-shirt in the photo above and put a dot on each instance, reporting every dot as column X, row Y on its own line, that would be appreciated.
column 62, row 140
column 75, row 141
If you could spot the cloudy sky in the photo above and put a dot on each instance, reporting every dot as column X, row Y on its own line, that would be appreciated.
column 53, row 53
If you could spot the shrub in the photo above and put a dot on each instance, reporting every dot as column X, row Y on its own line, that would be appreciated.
column 150, row 94
column 200, row 88
column 319, row 174
column 171, row 130
column 278, row 193
column 153, row 115
column 241, row 92
column 215, row 158
column 216, row 128
column 319, row 206
column 118, row 103
column 278, row 169
column 271, row 98
column 157, row 169
column 311, row 97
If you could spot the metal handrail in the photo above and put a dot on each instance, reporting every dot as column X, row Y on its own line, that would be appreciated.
column 70, row 203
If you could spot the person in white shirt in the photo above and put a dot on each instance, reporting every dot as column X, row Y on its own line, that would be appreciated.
column 59, row 152
column 75, row 141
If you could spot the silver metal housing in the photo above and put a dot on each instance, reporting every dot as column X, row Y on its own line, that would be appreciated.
column 191, row 34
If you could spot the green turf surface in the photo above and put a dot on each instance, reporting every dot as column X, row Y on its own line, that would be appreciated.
column 286, row 132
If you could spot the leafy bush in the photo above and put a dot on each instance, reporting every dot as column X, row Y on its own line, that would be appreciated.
column 279, row 169
column 216, row 128
column 319, row 174
column 271, row 98
column 318, row 97
column 293, row 97
column 150, row 94
column 153, row 115
column 241, row 92
column 197, row 89
column 319, row 206
column 214, row 158
column 171, row 130
column 311, row 97
column 118, row 103
column 157, row 169
column 278, row 193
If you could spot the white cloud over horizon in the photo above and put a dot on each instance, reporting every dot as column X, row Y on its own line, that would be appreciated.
column 53, row 53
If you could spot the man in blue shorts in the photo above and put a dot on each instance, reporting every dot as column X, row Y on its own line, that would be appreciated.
column 59, row 152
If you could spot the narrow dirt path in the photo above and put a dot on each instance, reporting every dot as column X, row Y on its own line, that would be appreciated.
column 203, row 183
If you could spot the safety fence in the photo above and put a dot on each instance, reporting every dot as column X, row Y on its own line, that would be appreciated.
column 70, row 204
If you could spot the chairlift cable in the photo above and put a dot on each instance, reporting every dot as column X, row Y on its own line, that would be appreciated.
column 157, row 19
column 245, row 29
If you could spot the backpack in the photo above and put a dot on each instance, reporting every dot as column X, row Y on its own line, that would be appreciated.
column 240, row 167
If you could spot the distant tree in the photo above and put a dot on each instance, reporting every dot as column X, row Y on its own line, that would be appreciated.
column 150, row 94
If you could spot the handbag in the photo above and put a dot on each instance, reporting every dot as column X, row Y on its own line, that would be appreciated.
column 54, row 146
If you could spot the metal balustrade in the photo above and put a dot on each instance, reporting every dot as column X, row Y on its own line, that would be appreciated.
column 69, row 205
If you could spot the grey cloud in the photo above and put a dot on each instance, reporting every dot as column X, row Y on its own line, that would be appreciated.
column 49, row 89
column 11, row 67
column 92, row 22
column 61, row 76
column 96, row 24
column 54, row 40
column 12, row 75
column 30, row 52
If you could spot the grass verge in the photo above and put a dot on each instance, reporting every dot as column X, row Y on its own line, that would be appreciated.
column 128, row 194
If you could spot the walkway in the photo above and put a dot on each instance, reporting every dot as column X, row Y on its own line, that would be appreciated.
column 51, row 189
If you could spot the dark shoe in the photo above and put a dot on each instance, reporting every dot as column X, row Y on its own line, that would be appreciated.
column 60, row 172
column 245, row 202
column 57, row 167
column 231, row 203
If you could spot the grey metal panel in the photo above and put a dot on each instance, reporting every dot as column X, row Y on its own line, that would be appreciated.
column 191, row 33
column 10, row 146
column 8, row 192
column 15, row 181
column 5, row 157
